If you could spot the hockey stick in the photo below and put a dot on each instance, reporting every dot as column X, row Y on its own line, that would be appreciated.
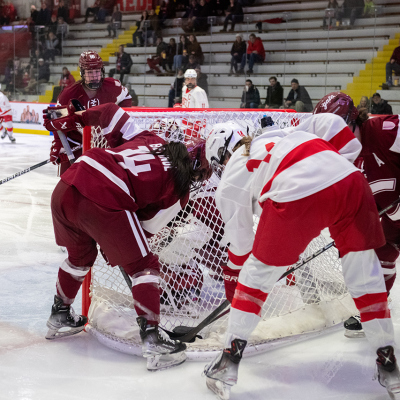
column 17, row 174
column 327, row 246
column 67, row 147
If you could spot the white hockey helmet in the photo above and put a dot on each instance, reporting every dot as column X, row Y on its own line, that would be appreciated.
column 221, row 140
column 190, row 73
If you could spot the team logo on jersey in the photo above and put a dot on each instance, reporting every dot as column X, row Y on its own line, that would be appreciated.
column 93, row 102
column 64, row 125
column 388, row 125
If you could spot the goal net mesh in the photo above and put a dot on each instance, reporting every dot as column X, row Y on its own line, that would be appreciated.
column 191, row 250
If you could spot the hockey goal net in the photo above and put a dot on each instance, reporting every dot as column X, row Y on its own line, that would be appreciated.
column 191, row 250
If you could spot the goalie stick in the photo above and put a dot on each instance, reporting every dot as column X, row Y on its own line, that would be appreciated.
column 19, row 173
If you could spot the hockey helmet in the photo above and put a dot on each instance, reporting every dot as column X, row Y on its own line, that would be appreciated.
column 90, row 60
column 221, row 141
column 190, row 73
column 338, row 103
column 197, row 152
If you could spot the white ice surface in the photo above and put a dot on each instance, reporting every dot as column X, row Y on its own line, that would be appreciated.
column 33, row 368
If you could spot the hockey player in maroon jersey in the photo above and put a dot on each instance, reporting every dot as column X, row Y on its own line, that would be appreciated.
column 379, row 160
column 298, row 183
column 117, row 197
column 92, row 90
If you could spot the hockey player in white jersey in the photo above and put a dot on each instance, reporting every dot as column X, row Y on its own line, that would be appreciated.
column 6, row 125
column 298, row 184
column 193, row 96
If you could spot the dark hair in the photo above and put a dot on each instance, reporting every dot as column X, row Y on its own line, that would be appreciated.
column 294, row 80
column 376, row 95
column 273, row 77
column 362, row 116
column 249, row 80
column 182, row 167
column 252, row 34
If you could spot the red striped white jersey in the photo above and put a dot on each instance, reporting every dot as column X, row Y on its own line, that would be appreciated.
column 195, row 98
column 334, row 130
column 282, row 167
column 5, row 108
column 128, row 177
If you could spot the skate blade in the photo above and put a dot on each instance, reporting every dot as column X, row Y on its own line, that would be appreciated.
column 354, row 334
column 221, row 389
column 55, row 333
column 160, row 362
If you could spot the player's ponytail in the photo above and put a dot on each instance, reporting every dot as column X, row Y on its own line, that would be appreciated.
column 181, row 165
column 362, row 116
column 246, row 141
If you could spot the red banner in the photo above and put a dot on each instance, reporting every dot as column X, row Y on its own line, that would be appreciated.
column 22, row 43
column 135, row 5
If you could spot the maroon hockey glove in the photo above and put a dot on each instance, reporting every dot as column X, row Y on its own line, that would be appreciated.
column 231, row 277
column 63, row 118
column 55, row 156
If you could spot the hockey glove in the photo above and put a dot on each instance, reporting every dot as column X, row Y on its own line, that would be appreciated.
column 63, row 118
column 231, row 277
column 56, row 155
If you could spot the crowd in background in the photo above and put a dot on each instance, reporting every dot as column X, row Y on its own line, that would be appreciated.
column 49, row 27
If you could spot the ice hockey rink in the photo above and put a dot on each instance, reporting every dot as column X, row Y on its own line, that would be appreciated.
column 78, row 367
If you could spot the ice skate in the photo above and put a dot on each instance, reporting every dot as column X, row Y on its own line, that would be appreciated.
column 158, row 348
column 11, row 137
column 63, row 321
column 353, row 327
column 3, row 133
column 388, row 373
column 222, row 373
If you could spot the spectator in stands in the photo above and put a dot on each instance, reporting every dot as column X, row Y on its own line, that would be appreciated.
column 332, row 4
column 298, row 98
column 9, row 73
column 52, row 26
column 92, row 11
column 380, row 106
column 202, row 79
column 175, row 93
column 238, row 50
column 194, row 49
column 352, row 9
column 154, row 61
column 66, row 79
column 364, row 103
column 200, row 23
column 62, row 29
column 25, row 80
column 43, row 76
column 190, row 16
column 192, row 63
column 140, row 29
column 274, row 98
column 255, row 53
column 181, row 58
column 44, row 15
column 52, row 47
column 234, row 14
column 155, row 27
column 115, row 23
column 34, row 13
column 103, row 11
column 63, row 12
column 8, row 13
column 124, row 64
column 167, row 10
column 250, row 96
column 393, row 66
column 167, row 57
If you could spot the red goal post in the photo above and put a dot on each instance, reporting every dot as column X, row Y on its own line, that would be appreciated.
column 191, row 250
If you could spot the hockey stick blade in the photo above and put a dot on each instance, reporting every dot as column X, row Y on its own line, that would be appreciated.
column 190, row 336
column 328, row 246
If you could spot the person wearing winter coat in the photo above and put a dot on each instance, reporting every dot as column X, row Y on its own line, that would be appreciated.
column 380, row 106
column 250, row 96
column 274, row 98
column 255, row 53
